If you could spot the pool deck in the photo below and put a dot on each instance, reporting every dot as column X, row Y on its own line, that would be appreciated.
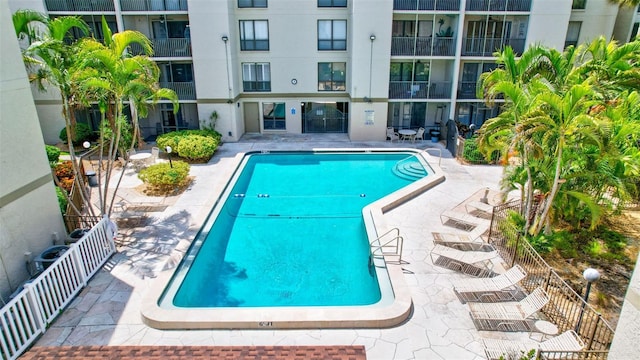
column 107, row 311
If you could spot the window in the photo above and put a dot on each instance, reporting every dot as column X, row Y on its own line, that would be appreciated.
column 332, row 3
column 176, row 72
column 254, row 35
column 170, row 29
column 634, row 31
column 256, row 77
column 273, row 116
column 252, row 3
column 573, row 33
column 579, row 4
column 331, row 76
column 332, row 35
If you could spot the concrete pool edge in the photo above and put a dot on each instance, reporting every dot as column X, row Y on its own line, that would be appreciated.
column 368, row 316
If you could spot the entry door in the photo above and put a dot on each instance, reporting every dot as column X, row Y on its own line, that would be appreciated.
column 251, row 117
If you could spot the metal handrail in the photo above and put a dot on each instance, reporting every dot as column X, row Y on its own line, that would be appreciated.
column 397, row 242
column 439, row 154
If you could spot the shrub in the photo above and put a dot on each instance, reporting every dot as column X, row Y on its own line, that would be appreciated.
column 196, row 147
column 126, row 133
column 174, row 138
column 82, row 133
column 53, row 154
column 472, row 154
column 62, row 199
column 163, row 176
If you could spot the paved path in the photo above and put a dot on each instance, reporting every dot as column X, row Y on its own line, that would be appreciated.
column 107, row 312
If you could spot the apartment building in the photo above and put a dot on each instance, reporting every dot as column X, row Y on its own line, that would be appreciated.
column 329, row 66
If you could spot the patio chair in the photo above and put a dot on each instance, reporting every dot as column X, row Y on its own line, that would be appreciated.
column 503, row 287
column 560, row 346
column 419, row 134
column 475, row 235
column 462, row 242
column 392, row 135
column 474, row 263
column 463, row 220
column 508, row 316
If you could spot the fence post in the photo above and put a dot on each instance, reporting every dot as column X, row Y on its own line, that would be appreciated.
column 78, row 263
column 593, row 333
column 38, row 309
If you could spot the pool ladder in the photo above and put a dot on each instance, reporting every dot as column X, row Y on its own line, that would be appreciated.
column 388, row 247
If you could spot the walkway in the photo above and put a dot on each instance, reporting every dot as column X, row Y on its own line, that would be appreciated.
column 107, row 312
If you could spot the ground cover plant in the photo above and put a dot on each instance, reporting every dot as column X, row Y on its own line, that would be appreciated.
column 192, row 145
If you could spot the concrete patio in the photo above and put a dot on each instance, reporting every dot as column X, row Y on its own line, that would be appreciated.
column 107, row 312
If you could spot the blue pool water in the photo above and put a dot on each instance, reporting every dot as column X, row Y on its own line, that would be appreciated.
column 291, row 233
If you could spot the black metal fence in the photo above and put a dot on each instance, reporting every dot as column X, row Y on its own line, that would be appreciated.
column 566, row 308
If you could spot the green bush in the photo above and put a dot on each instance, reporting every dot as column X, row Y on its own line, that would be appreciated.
column 62, row 199
column 82, row 133
column 53, row 154
column 126, row 133
column 196, row 147
column 472, row 154
column 164, row 176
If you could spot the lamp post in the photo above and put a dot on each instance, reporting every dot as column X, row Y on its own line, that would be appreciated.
column 225, row 38
column 168, row 149
column 372, row 37
column 591, row 275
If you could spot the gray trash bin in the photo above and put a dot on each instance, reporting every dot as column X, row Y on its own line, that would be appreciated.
column 92, row 178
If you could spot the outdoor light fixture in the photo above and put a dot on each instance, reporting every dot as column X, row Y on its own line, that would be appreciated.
column 225, row 38
column 591, row 275
column 86, row 144
column 368, row 98
column 168, row 149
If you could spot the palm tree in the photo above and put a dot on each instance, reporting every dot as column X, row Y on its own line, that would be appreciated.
column 49, row 60
column 108, row 75
column 627, row 3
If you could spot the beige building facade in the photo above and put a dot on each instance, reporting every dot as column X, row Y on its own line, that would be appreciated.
column 30, row 217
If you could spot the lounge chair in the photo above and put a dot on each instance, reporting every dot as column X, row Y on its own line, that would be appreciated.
column 462, row 242
column 478, row 206
column 558, row 346
column 474, row 263
column 508, row 316
column 503, row 287
column 463, row 220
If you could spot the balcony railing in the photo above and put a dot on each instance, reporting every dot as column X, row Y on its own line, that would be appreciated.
column 254, row 86
column 419, row 90
column 79, row 5
column 467, row 89
column 154, row 5
column 443, row 5
column 498, row 5
column 185, row 90
column 487, row 46
column 175, row 47
column 424, row 46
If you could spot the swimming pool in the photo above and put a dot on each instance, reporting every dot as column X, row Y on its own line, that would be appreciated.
column 280, row 212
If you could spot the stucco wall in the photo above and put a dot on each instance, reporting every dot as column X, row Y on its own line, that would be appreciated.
column 29, row 211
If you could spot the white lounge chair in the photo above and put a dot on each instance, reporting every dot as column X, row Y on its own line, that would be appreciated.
column 474, row 263
column 503, row 287
column 508, row 316
column 559, row 347
column 463, row 220
column 484, row 208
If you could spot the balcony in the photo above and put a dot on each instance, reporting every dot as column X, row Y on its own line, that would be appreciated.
column 424, row 46
column 419, row 90
column 174, row 47
column 79, row 5
column 487, row 46
column 154, row 5
column 185, row 90
column 498, row 5
column 467, row 89
column 443, row 5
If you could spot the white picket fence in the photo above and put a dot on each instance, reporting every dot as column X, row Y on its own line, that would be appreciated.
column 27, row 316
